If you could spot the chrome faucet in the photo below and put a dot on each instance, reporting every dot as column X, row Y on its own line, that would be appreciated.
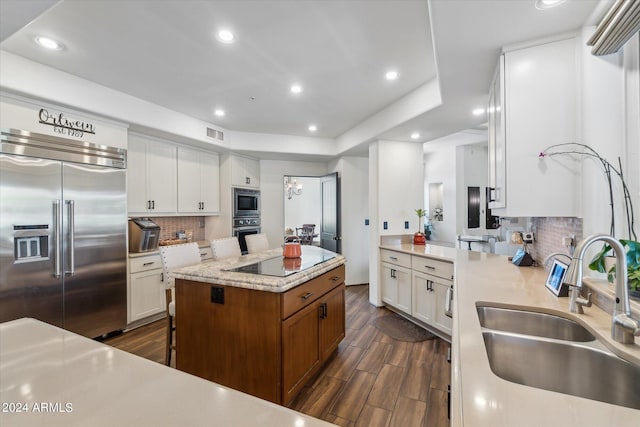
column 623, row 327
column 555, row 255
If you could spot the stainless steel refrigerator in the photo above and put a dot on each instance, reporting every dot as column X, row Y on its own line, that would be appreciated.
column 63, row 224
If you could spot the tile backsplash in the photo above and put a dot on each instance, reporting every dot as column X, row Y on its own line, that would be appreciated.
column 549, row 232
column 169, row 225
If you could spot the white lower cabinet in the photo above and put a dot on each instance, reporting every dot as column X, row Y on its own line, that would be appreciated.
column 423, row 298
column 396, row 286
column 420, row 291
column 146, row 295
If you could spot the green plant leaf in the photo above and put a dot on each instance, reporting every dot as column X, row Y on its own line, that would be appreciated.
column 597, row 263
column 633, row 253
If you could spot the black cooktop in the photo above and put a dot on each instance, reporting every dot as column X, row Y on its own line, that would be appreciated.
column 283, row 267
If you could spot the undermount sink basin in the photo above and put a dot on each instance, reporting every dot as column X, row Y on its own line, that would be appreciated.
column 564, row 367
column 532, row 323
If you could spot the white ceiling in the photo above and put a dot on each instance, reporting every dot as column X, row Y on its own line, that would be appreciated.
column 166, row 52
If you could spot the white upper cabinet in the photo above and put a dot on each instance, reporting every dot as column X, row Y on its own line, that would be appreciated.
column 497, row 164
column 151, row 176
column 532, row 105
column 245, row 172
column 198, row 182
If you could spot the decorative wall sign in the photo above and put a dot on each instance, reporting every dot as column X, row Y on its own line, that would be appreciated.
column 64, row 125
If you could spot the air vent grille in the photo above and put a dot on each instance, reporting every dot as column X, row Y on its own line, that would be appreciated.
column 215, row 134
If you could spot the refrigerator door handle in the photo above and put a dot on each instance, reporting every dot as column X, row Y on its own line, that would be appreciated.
column 71, row 208
column 57, row 236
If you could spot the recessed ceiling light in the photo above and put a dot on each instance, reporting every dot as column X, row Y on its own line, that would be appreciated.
column 313, row 128
column 391, row 75
column 296, row 89
column 548, row 4
column 415, row 135
column 219, row 113
column 478, row 111
column 49, row 43
column 225, row 36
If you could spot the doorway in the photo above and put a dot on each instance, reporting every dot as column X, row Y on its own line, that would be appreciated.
column 313, row 200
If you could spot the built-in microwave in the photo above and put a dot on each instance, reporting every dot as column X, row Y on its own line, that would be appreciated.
column 246, row 202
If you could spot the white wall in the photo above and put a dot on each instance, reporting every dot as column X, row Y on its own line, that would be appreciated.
column 608, row 128
column 354, row 209
column 20, row 113
column 400, row 186
column 441, row 166
column 271, row 187
column 304, row 208
column 396, row 189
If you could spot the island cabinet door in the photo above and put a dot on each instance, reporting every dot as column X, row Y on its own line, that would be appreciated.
column 300, row 349
column 332, row 322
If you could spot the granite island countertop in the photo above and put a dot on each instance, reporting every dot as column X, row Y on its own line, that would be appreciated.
column 216, row 272
column 479, row 397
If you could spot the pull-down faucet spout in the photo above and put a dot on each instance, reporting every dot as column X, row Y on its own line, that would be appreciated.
column 623, row 327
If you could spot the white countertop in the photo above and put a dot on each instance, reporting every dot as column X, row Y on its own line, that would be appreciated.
column 214, row 271
column 87, row 383
column 479, row 397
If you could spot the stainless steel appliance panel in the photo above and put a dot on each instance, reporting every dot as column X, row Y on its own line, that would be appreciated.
column 144, row 235
column 246, row 203
column 62, row 232
column 94, row 250
column 30, row 191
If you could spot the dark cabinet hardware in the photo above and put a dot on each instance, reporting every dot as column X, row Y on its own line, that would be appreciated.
column 307, row 295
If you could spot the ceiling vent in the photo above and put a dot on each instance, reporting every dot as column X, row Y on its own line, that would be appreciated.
column 215, row 134
column 620, row 23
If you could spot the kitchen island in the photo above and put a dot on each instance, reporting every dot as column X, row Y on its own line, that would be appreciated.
column 481, row 398
column 53, row 377
column 261, row 323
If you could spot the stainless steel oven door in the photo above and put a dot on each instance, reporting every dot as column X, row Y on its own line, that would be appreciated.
column 241, row 233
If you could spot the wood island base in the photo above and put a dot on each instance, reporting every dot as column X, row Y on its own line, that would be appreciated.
column 266, row 344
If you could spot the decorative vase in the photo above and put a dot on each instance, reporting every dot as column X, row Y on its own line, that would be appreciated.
column 419, row 238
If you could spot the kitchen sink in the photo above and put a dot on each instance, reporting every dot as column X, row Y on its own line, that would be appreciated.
column 565, row 367
column 532, row 323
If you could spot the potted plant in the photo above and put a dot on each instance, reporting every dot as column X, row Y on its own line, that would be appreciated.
column 419, row 237
column 599, row 263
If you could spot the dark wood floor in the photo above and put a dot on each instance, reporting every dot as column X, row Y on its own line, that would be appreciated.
column 373, row 380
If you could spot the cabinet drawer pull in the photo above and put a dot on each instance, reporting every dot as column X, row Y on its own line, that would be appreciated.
column 395, row 258
column 323, row 310
column 307, row 295
column 429, row 267
column 335, row 278
column 146, row 264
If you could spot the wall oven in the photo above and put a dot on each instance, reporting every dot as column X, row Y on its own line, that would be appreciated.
column 246, row 203
column 242, row 227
